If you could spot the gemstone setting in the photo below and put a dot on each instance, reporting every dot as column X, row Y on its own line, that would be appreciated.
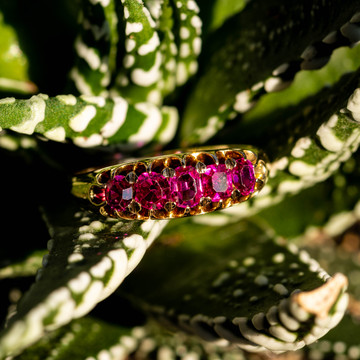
column 186, row 187
column 118, row 193
column 243, row 176
column 217, row 182
column 176, row 186
column 152, row 191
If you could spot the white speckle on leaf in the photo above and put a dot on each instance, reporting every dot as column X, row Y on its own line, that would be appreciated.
column 96, row 100
column 117, row 119
column 150, row 46
column 7, row 100
column 353, row 104
column 37, row 108
column 133, row 27
column 280, row 289
column 327, row 137
column 93, row 140
column 301, row 168
column 151, row 124
column 56, row 134
column 301, row 145
column 145, row 78
column 88, row 54
column 67, row 99
column 80, row 283
column 242, row 102
column 101, row 268
column 90, row 298
column 130, row 45
column 81, row 120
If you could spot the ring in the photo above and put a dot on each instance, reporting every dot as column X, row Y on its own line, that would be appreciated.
column 174, row 185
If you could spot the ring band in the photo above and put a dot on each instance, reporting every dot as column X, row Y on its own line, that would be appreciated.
column 175, row 185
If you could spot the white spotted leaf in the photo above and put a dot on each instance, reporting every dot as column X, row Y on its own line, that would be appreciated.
column 89, row 121
column 254, row 52
column 88, row 259
column 249, row 289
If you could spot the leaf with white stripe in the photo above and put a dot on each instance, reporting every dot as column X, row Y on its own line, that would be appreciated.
column 95, row 47
column 88, row 259
column 236, row 283
column 233, row 74
column 139, row 74
column 89, row 121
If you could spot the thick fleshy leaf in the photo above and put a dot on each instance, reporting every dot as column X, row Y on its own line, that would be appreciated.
column 95, row 47
column 89, row 120
column 138, row 77
column 249, row 290
column 88, row 259
column 14, row 64
column 92, row 338
column 316, row 150
column 263, row 30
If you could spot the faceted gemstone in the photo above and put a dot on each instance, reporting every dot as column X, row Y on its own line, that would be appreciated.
column 217, row 182
column 152, row 190
column 186, row 187
column 118, row 193
column 243, row 176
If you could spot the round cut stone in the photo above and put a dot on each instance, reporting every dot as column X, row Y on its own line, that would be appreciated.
column 217, row 182
column 186, row 187
column 243, row 176
column 152, row 190
column 118, row 193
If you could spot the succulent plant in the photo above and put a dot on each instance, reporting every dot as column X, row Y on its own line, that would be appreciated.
column 87, row 83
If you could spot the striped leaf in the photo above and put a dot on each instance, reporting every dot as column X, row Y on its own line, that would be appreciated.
column 89, row 120
column 249, row 290
column 88, row 259
column 234, row 74
column 95, row 48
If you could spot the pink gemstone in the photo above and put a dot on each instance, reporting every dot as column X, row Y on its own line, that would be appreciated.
column 152, row 190
column 186, row 187
column 217, row 182
column 243, row 176
column 118, row 193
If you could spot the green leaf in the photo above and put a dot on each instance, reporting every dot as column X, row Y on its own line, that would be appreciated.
column 14, row 64
column 89, row 120
column 138, row 77
column 96, row 48
column 88, row 259
column 233, row 72
column 236, row 283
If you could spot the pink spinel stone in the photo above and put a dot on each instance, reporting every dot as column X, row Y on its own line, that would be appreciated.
column 244, row 176
column 118, row 193
column 186, row 187
column 152, row 190
column 217, row 182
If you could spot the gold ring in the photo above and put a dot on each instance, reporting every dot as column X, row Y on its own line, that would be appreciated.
column 174, row 185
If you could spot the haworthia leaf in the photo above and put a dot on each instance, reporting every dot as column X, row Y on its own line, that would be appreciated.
column 138, row 77
column 88, row 259
column 26, row 267
column 163, row 15
column 188, row 38
column 315, row 152
column 96, row 48
column 13, row 62
column 89, row 120
column 249, row 290
column 92, row 338
column 262, row 30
